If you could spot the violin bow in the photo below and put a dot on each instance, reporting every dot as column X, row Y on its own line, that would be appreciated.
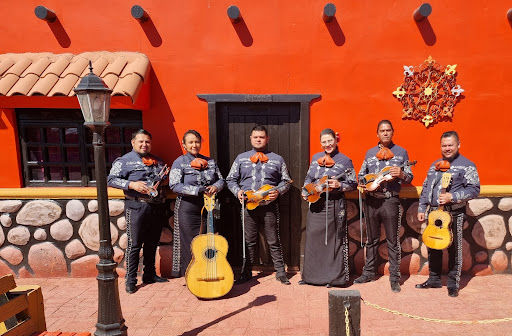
column 243, row 233
column 326, row 209
column 361, row 216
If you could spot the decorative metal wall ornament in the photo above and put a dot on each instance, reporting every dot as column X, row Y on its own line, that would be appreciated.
column 429, row 92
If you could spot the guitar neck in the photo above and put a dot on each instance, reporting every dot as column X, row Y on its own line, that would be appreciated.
column 441, row 206
column 209, row 223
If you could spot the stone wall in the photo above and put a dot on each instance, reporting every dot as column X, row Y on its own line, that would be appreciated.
column 60, row 238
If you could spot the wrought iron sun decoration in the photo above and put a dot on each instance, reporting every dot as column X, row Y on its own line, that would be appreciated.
column 429, row 92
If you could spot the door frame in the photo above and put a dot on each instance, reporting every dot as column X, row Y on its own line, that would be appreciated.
column 305, row 101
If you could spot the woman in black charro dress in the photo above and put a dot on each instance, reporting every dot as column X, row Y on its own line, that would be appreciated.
column 326, row 251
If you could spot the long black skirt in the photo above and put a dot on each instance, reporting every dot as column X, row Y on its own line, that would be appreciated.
column 326, row 263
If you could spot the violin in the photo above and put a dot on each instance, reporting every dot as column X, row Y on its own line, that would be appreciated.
column 371, row 182
column 310, row 190
column 254, row 198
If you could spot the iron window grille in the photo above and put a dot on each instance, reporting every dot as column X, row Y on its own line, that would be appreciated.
column 57, row 150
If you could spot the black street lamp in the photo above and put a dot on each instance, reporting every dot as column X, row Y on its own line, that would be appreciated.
column 94, row 98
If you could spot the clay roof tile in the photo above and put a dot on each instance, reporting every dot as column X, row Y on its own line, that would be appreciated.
column 23, row 85
column 57, row 67
column 37, row 67
column 115, row 68
column 139, row 66
column 57, row 74
column 76, row 67
column 44, row 85
column 64, row 86
column 7, row 82
column 110, row 80
column 128, row 86
column 5, row 64
column 20, row 66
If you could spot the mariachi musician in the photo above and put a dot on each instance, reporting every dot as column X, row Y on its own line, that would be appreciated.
column 250, row 171
column 137, row 173
column 326, row 251
column 191, row 176
column 465, row 185
column 383, row 204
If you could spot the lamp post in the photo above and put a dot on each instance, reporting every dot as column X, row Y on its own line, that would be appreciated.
column 94, row 98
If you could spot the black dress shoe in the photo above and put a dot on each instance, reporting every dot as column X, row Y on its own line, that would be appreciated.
column 364, row 279
column 131, row 288
column 427, row 285
column 395, row 286
column 302, row 282
column 244, row 277
column 453, row 292
column 154, row 279
column 283, row 279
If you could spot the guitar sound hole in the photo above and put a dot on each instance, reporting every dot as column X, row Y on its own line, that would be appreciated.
column 438, row 223
column 209, row 253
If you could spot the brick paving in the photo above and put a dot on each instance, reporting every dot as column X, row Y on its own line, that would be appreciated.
column 265, row 307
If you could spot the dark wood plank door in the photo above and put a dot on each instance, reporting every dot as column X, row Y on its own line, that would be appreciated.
column 234, row 124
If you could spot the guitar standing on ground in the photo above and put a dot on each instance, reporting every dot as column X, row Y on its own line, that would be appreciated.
column 209, row 274
column 465, row 185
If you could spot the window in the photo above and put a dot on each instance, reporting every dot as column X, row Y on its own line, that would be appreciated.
column 57, row 148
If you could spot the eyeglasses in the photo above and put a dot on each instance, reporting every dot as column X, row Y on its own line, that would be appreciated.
column 327, row 142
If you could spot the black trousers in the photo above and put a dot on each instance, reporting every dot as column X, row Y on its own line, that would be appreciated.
column 144, row 223
column 187, row 222
column 435, row 257
column 268, row 216
column 386, row 211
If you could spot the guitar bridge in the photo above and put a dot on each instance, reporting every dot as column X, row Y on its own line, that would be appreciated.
column 210, row 279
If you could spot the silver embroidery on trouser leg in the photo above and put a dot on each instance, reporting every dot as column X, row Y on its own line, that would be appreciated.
column 343, row 222
column 176, row 248
column 128, row 217
column 278, row 236
column 399, row 260
column 460, row 223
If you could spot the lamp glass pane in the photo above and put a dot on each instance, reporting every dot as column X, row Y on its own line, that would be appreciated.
column 85, row 106
column 100, row 103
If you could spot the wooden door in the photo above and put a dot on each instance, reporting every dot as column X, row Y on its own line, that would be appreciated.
column 286, row 117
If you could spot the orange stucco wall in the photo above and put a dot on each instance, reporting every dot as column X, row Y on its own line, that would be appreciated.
column 194, row 48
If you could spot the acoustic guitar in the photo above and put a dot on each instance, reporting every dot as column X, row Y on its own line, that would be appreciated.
column 371, row 182
column 310, row 190
column 438, row 234
column 254, row 198
column 209, row 274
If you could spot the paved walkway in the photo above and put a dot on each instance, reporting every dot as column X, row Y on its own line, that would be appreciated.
column 265, row 307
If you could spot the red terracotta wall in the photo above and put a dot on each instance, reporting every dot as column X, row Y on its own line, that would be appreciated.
column 10, row 174
column 194, row 48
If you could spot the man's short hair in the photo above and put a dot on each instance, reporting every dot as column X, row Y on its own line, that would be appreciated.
column 450, row 134
column 385, row 122
column 259, row 128
column 141, row 131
